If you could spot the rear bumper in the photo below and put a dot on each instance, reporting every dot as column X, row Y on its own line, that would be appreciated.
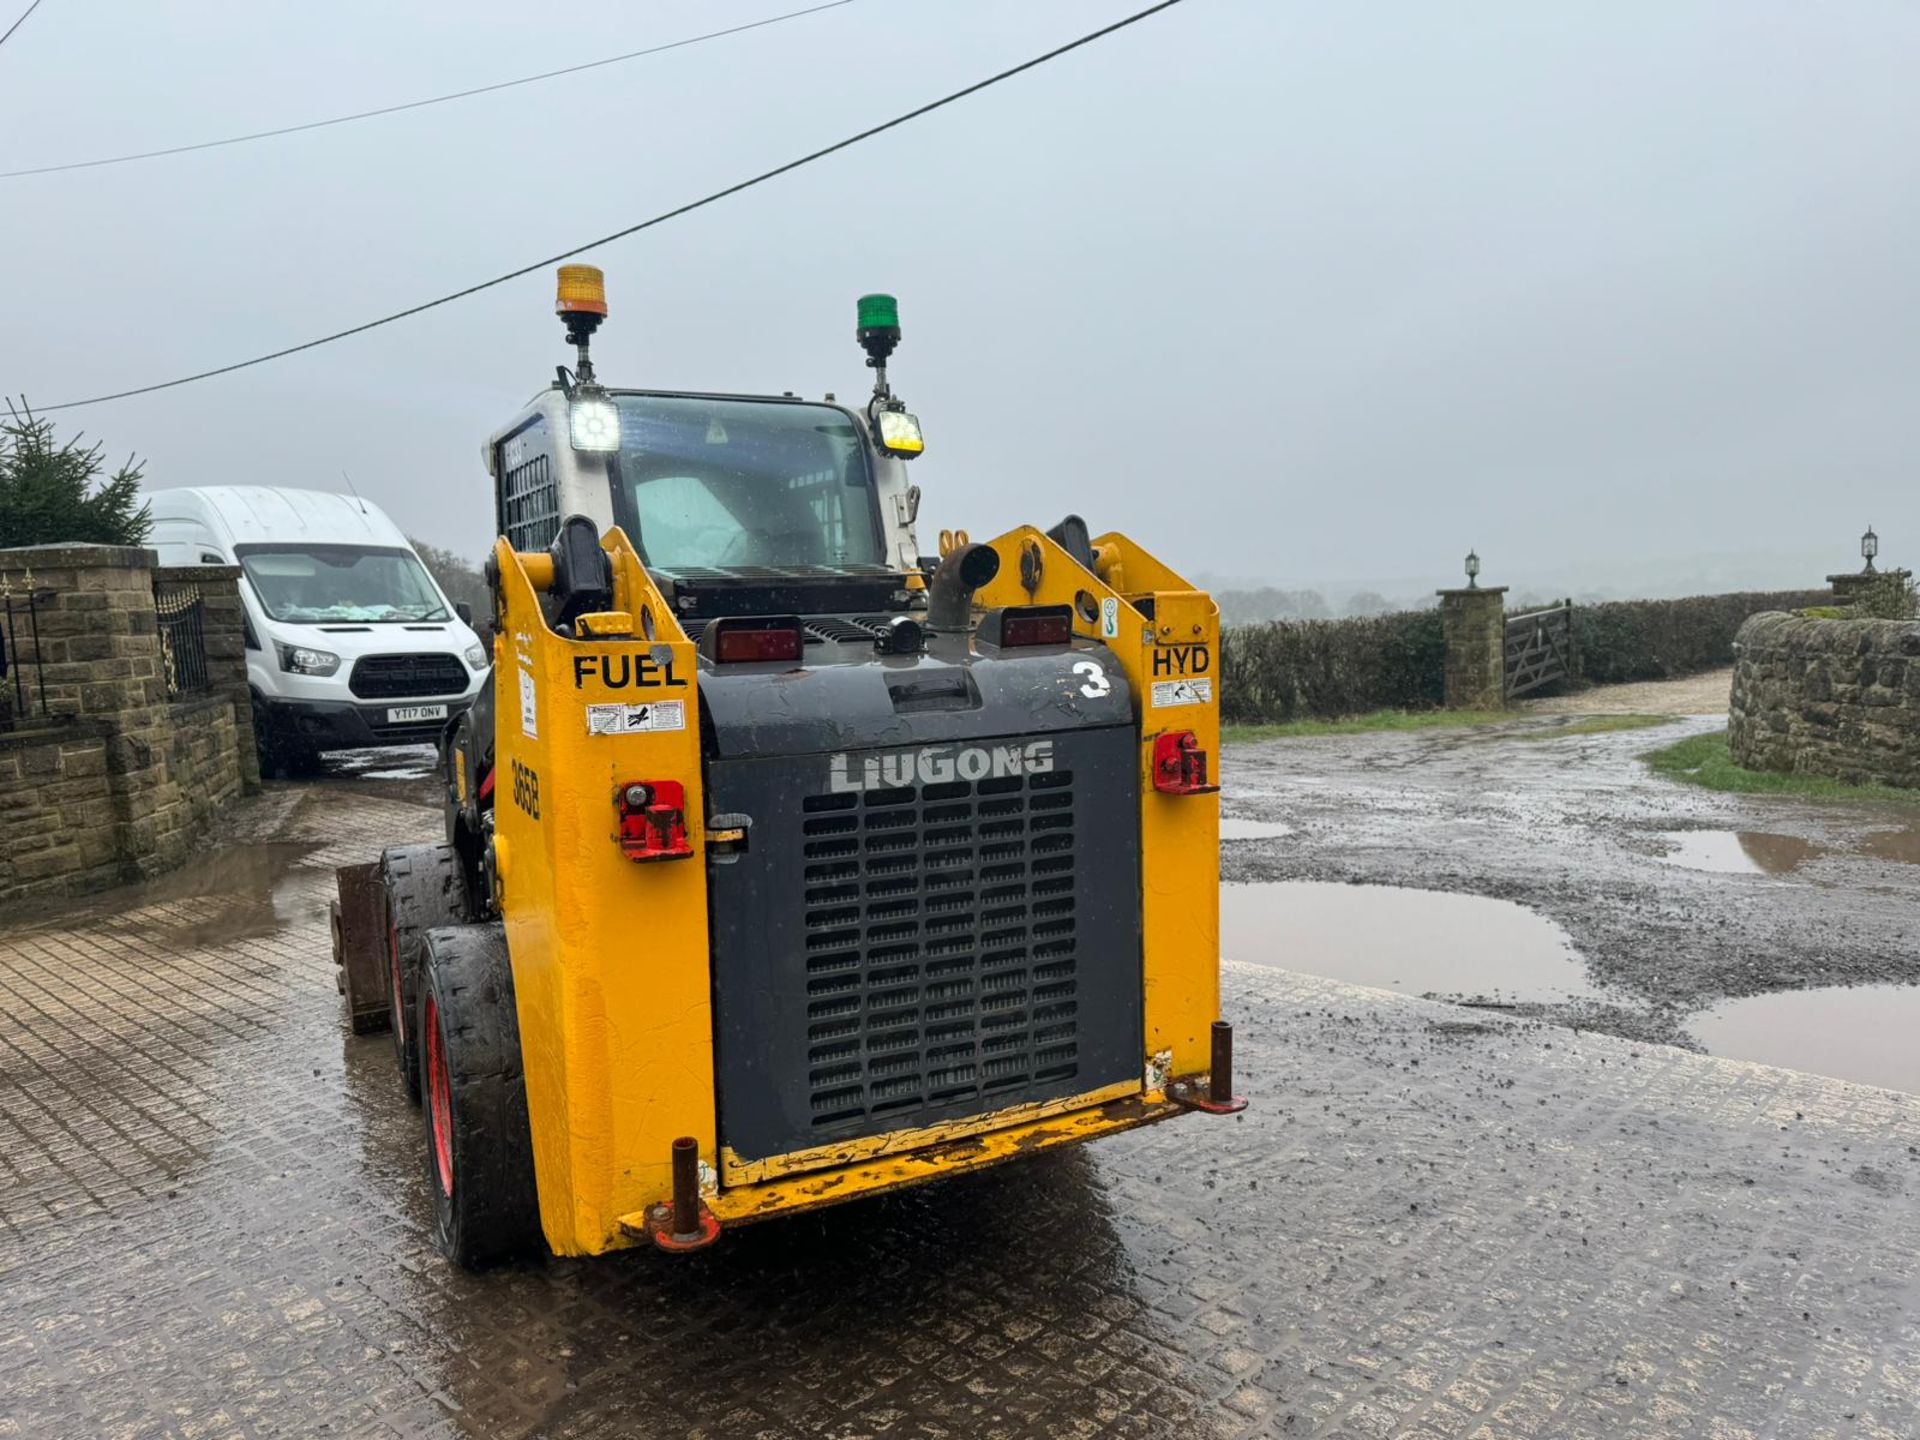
column 789, row 1195
column 342, row 725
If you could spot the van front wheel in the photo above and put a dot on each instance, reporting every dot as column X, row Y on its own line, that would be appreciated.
column 281, row 757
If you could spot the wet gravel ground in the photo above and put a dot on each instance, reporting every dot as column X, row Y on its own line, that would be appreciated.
column 1432, row 1222
column 1577, row 829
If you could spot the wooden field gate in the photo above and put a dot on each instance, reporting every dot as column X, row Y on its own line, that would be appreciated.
column 1539, row 648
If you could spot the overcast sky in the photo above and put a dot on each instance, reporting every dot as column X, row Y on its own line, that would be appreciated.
column 1291, row 291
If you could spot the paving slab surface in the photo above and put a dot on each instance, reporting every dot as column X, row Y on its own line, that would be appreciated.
column 1433, row 1222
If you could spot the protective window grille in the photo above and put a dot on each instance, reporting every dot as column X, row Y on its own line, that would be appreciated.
column 179, row 618
column 825, row 496
column 940, row 938
column 531, row 503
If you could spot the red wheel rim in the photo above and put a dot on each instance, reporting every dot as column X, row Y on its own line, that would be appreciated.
column 439, row 1101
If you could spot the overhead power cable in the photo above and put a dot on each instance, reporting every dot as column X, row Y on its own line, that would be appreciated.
column 416, row 104
column 21, row 21
column 660, row 219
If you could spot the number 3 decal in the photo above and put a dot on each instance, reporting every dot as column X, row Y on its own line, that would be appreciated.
column 1097, row 683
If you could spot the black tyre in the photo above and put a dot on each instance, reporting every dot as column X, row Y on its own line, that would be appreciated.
column 281, row 757
column 424, row 889
column 479, row 1145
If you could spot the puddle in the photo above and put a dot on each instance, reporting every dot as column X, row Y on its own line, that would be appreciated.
column 1743, row 852
column 1900, row 846
column 1754, row 852
column 1863, row 1033
column 396, row 762
column 231, row 894
column 1416, row 941
column 1234, row 829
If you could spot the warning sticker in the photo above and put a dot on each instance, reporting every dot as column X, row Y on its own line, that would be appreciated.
column 632, row 719
column 529, row 708
column 1109, row 617
column 1182, row 692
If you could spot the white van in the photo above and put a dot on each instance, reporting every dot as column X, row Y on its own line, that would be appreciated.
column 350, row 642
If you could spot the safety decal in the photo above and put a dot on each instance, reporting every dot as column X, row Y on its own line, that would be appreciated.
column 529, row 708
column 1182, row 692
column 1109, row 617
column 631, row 719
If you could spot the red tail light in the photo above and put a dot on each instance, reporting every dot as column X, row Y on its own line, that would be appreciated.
column 1180, row 765
column 653, row 819
column 759, row 638
column 1020, row 625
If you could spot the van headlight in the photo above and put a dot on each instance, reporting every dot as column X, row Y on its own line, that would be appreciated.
column 476, row 656
column 299, row 660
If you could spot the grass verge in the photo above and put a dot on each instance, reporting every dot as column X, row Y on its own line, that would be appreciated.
column 1364, row 724
column 1596, row 725
column 1703, row 760
column 1385, row 720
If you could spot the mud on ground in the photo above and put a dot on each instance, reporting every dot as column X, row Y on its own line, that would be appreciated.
column 1578, row 829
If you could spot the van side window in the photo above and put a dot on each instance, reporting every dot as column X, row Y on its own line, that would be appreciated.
column 209, row 557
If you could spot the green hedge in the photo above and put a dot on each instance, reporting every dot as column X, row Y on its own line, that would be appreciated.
column 1657, row 639
column 1289, row 669
column 1323, row 669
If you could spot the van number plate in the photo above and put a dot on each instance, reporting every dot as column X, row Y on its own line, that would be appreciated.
column 405, row 714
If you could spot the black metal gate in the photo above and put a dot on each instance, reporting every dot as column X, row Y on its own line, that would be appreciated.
column 23, row 680
column 1539, row 648
column 183, row 639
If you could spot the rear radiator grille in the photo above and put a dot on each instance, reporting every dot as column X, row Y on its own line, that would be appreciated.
column 941, row 963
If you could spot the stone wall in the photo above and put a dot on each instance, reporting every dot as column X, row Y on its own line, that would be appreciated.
column 112, row 778
column 1839, row 698
column 58, row 830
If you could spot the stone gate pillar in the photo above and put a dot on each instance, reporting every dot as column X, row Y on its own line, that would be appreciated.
column 1476, row 636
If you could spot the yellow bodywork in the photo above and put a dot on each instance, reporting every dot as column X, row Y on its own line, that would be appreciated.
column 611, row 957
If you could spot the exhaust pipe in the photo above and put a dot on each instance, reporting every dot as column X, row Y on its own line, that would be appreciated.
column 950, row 593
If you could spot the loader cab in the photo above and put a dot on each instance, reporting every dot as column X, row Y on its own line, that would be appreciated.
column 738, row 504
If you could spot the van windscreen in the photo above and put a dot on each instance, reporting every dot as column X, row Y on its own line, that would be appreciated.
column 325, row 584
